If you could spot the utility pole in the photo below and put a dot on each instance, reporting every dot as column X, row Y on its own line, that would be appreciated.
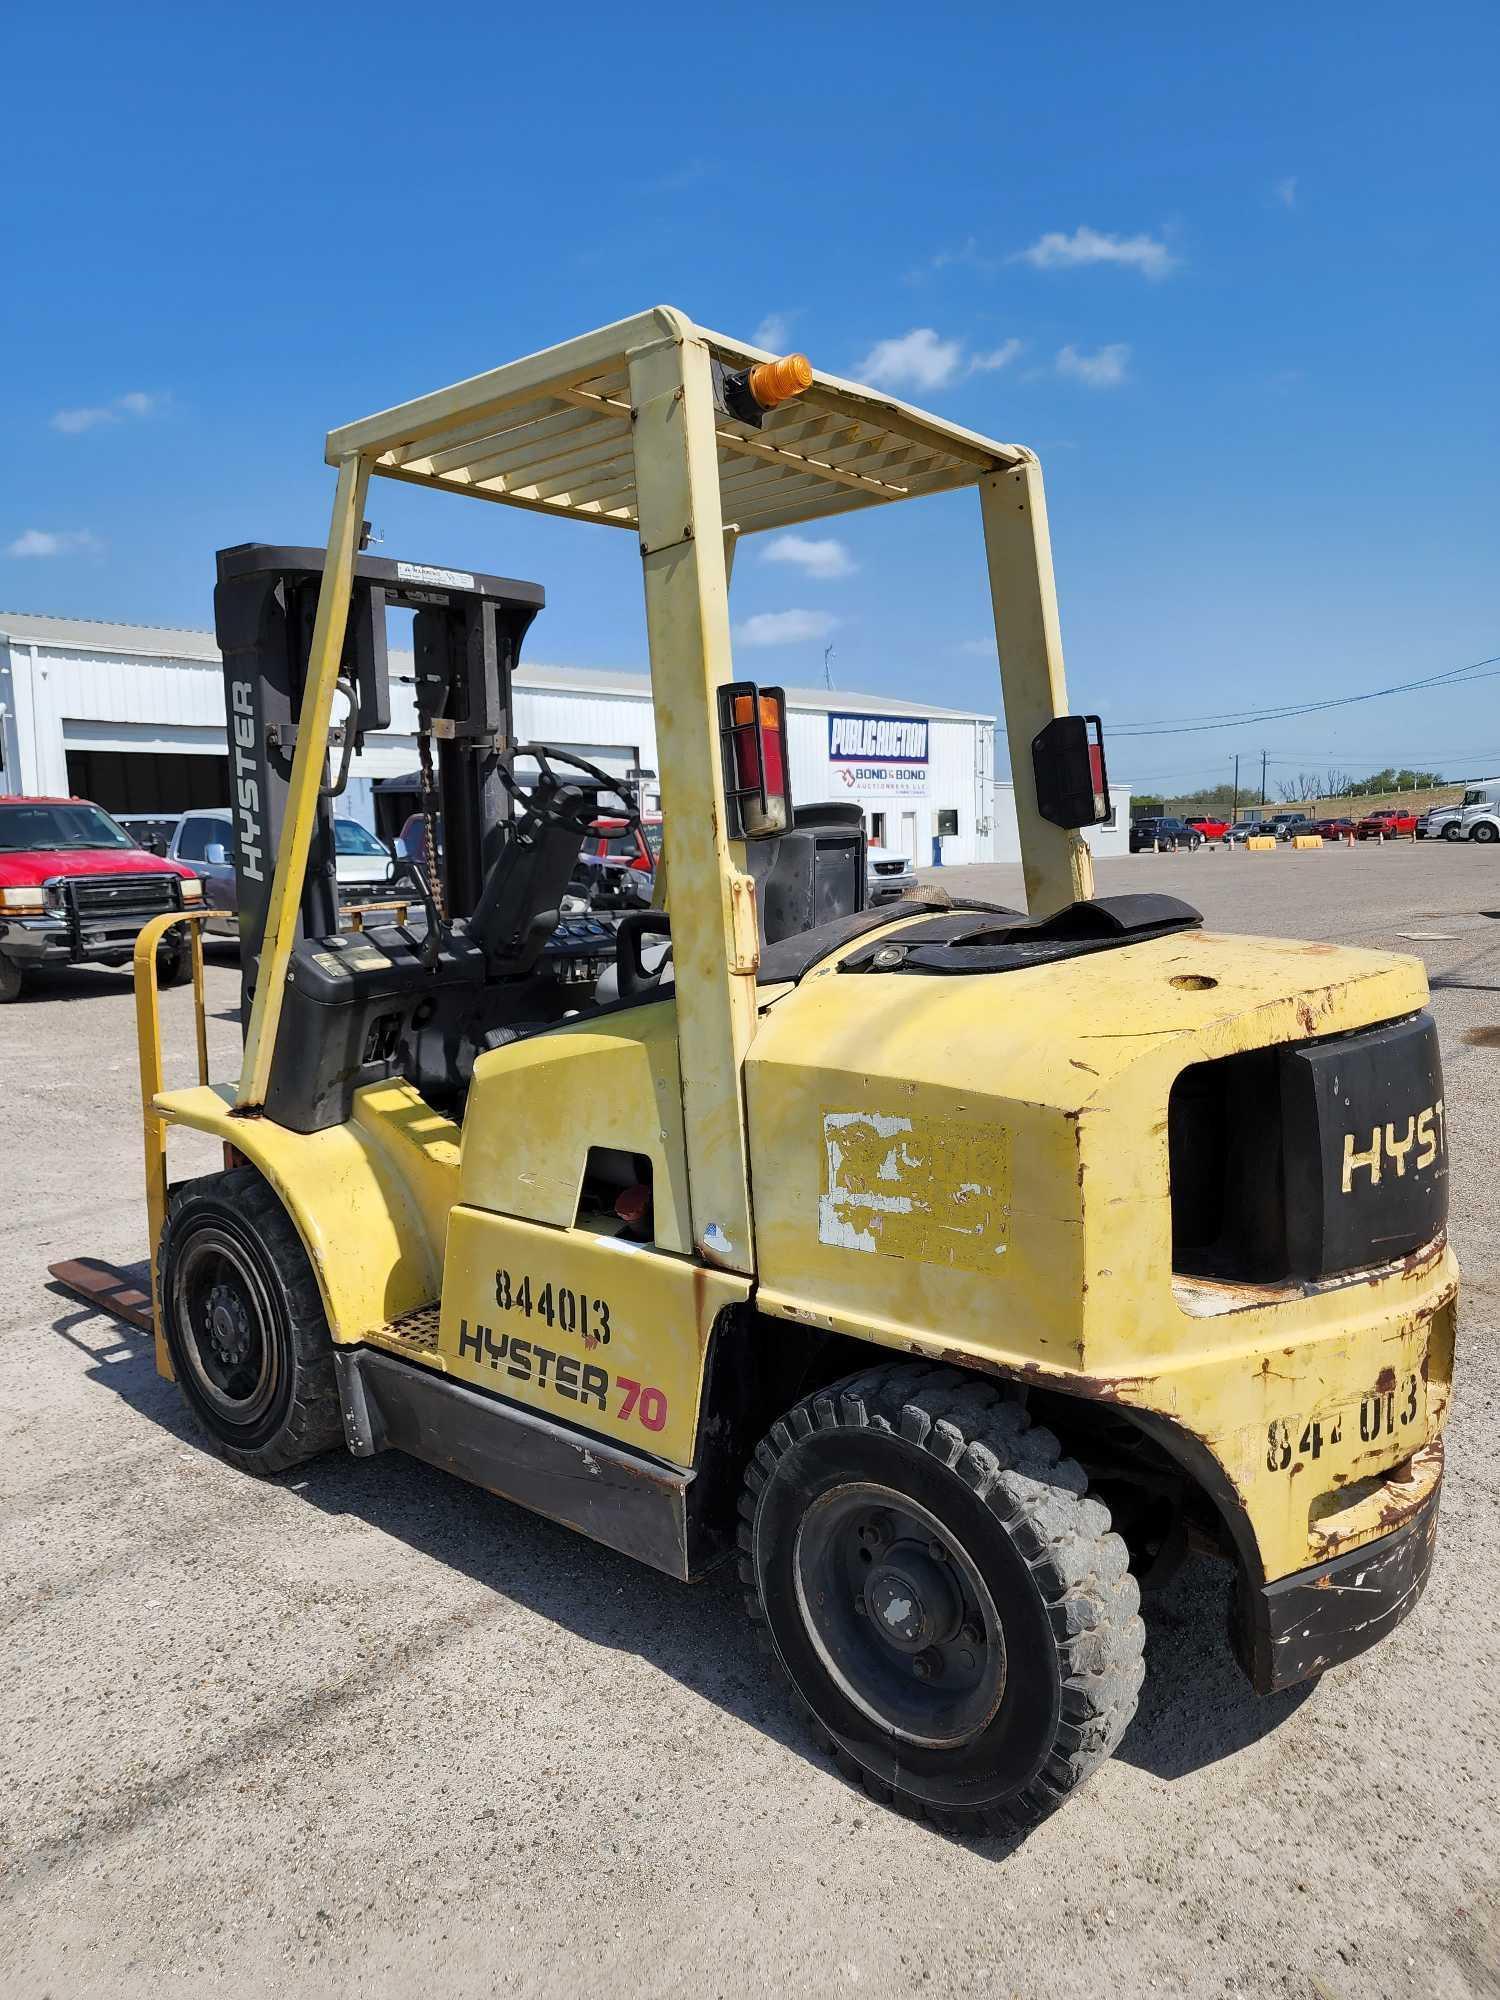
column 1262, row 777
column 827, row 670
column 1234, row 810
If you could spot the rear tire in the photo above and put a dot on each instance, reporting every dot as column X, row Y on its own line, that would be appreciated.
column 12, row 979
column 1486, row 830
column 955, row 1617
column 245, row 1325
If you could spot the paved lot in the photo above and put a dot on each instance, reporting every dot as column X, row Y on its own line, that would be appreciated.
column 365, row 1726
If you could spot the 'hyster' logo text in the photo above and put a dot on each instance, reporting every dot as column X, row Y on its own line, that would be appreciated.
column 247, row 785
column 1389, row 1147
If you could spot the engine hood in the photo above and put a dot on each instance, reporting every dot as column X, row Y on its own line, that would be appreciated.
column 1053, row 1033
column 34, row 866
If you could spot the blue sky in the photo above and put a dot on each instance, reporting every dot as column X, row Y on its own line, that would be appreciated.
column 1232, row 275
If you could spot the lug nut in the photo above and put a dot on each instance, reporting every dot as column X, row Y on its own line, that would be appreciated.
column 926, row 1666
column 937, row 1551
column 971, row 1635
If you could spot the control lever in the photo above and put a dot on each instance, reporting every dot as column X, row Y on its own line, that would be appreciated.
column 407, row 871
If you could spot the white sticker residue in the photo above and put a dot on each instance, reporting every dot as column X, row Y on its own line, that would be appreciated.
column 453, row 579
column 888, row 1192
column 834, row 1224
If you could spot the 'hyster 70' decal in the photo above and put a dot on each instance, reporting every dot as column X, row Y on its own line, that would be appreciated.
column 514, row 1357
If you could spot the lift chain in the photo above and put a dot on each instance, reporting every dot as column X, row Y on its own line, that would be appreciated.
column 429, row 821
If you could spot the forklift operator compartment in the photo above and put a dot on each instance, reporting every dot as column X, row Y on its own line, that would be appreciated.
column 951, row 1267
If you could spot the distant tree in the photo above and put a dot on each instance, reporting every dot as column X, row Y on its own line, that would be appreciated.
column 1297, row 791
column 1388, row 780
column 1209, row 795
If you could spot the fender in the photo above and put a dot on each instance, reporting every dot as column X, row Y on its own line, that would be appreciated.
column 369, row 1199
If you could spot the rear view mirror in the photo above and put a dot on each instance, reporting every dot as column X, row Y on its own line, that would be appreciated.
column 216, row 855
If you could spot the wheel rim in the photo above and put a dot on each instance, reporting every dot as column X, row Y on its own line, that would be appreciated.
column 899, row 1615
column 226, row 1322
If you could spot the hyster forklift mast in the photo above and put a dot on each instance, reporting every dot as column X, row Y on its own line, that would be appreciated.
column 950, row 1264
column 466, row 639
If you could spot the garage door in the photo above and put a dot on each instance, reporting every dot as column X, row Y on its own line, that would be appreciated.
column 148, row 781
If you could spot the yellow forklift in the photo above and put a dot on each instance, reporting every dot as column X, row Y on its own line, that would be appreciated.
column 953, row 1265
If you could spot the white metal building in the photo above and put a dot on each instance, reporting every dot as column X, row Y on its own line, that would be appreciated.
column 132, row 716
column 1113, row 837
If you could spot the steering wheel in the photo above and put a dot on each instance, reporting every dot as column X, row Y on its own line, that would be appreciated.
column 542, row 805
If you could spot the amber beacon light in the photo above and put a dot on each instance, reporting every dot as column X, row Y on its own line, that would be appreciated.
column 776, row 382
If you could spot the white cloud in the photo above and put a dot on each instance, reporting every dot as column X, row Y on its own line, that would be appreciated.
column 1104, row 369
column 969, row 254
column 1285, row 191
column 1056, row 252
column 979, row 649
column 45, row 542
column 918, row 360
column 998, row 357
column 824, row 560
column 784, row 628
column 921, row 360
column 774, row 331
column 134, row 403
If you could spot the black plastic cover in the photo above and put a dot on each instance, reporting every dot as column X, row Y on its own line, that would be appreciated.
column 961, row 943
column 1365, row 1147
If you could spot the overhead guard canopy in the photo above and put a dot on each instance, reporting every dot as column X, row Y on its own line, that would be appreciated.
column 552, row 432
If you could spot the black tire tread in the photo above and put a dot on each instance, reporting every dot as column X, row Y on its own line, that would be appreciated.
column 314, row 1422
column 1040, row 1496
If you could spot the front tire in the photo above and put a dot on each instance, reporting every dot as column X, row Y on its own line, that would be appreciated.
column 11, row 979
column 245, row 1325
column 1452, row 831
column 955, row 1616
column 171, row 961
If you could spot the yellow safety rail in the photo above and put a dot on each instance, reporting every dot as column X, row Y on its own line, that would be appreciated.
column 148, row 1044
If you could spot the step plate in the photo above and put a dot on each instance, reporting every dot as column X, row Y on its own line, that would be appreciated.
column 628, row 1502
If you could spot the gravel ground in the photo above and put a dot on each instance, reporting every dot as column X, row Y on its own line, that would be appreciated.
column 366, row 1726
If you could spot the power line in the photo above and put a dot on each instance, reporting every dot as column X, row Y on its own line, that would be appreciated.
column 1235, row 718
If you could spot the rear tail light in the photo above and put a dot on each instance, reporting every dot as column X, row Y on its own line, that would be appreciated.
column 1067, row 758
column 752, row 731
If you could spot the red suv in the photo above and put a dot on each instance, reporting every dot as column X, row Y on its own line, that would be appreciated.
column 1388, row 820
column 75, row 889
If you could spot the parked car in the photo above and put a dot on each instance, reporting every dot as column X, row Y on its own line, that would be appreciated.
column 1334, row 829
column 888, row 875
column 153, row 831
column 1287, row 825
column 1387, row 820
column 1251, row 829
column 1208, row 824
column 616, row 840
column 205, row 839
column 75, row 889
column 1153, row 833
